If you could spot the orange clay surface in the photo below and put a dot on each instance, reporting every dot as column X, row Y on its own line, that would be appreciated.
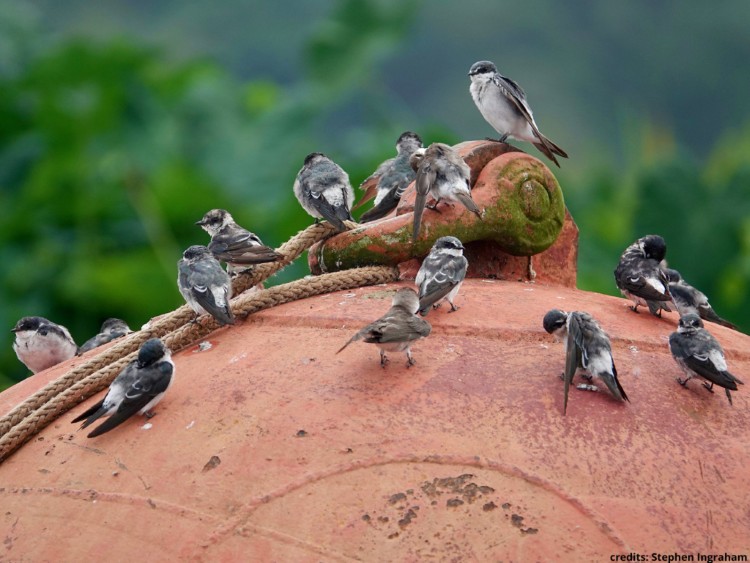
column 269, row 446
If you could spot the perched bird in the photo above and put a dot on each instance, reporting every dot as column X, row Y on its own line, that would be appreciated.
column 323, row 190
column 390, row 179
column 234, row 245
column 444, row 175
column 587, row 348
column 40, row 343
column 639, row 275
column 205, row 286
column 699, row 355
column 502, row 103
column 441, row 274
column 398, row 329
column 688, row 299
column 138, row 388
column 111, row 329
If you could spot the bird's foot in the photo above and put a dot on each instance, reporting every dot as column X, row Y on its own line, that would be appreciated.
column 634, row 308
column 149, row 414
column 453, row 308
column 682, row 382
column 434, row 207
column 383, row 360
column 410, row 362
column 709, row 386
column 587, row 377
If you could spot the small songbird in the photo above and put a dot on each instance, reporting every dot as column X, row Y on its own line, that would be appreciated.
column 203, row 283
column 441, row 274
column 137, row 389
column 323, row 190
column 388, row 183
column 111, row 329
column 398, row 329
column 640, row 277
column 444, row 175
column 502, row 103
column 587, row 348
column 235, row 245
column 699, row 355
column 688, row 299
column 41, row 344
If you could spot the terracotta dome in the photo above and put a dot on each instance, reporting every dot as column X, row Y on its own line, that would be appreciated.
column 270, row 446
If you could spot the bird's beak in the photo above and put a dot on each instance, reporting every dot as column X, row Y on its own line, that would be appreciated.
column 201, row 223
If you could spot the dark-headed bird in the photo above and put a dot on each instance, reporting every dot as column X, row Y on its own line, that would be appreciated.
column 640, row 277
column 40, row 343
column 441, row 274
column 398, row 329
column 688, row 299
column 203, row 283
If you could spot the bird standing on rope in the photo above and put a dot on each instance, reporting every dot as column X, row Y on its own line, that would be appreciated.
column 323, row 190
column 137, row 389
column 41, row 344
column 203, row 283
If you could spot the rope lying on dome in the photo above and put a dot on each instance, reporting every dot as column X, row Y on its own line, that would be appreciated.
column 178, row 332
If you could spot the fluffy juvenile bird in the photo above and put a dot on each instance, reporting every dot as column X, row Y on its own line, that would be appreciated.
column 398, row 329
column 234, row 245
column 111, row 329
column 502, row 103
column 323, row 190
column 40, row 343
column 441, row 274
column 392, row 177
column 442, row 174
column 137, row 389
column 639, row 275
column 587, row 348
column 203, row 283
column 688, row 299
column 698, row 354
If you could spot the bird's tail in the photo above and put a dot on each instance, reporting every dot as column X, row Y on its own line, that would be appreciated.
column 469, row 204
column 613, row 384
column 550, row 149
column 419, row 204
column 352, row 339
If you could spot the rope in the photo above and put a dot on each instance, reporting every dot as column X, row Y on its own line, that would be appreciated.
column 177, row 333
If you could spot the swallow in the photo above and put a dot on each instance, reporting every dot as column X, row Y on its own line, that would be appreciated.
column 441, row 274
column 391, row 179
column 502, row 103
column 688, row 299
column 138, row 388
column 323, row 190
column 398, row 329
column 205, row 286
column 587, row 349
column 442, row 174
column 237, row 247
column 699, row 354
column 111, row 329
column 41, row 344
column 640, row 277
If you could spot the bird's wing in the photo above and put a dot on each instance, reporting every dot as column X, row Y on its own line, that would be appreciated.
column 445, row 277
column 424, row 180
column 242, row 248
column 573, row 358
column 397, row 325
column 383, row 208
column 643, row 279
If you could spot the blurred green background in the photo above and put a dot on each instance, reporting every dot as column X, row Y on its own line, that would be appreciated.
column 123, row 121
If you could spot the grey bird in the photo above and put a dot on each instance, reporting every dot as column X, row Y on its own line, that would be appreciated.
column 397, row 330
column 441, row 274
column 587, row 348
column 237, row 247
column 203, row 283
column 323, row 190
column 111, row 329
column 442, row 174
column 502, row 103
column 388, row 183
column 640, row 277
column 40, row 343
column 688, row 299
column 698, row 354
column 138, row 388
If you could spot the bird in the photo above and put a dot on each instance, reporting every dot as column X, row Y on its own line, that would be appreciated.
column 444, row 175
column 205, row 286
column 688, row 299
column 699, row 354
column 441, row 274
column 397, row 330
column 640, row 277
column 502, row 103
column 111, row 329
column 235, row 245
column 323, row 190
column 138, row 388
column 389, row 181
column 587, row 348
column 40, row 343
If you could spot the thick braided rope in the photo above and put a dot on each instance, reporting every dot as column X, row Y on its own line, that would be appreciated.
column 291, row 250
column 185, row 335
